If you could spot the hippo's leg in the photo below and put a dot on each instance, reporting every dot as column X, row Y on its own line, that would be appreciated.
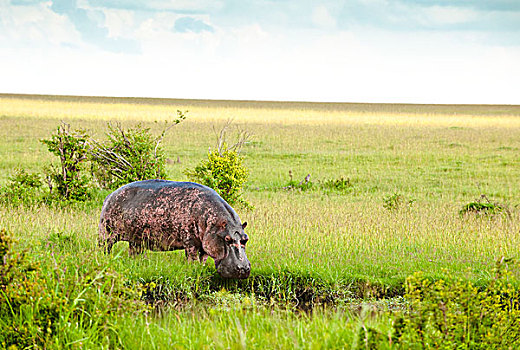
column 107, row 244
column 192, row 247
column 106, row 239
column 192, row 253
column 135, row 248
column 203, row 256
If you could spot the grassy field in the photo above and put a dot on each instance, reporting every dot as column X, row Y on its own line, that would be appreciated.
column 342, row 247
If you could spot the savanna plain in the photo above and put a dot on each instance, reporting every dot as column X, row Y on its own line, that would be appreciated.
column 348, row 259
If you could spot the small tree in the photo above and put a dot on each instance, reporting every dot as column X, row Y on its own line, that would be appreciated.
column 130, row 155
column 224, row 170
column 72, row 150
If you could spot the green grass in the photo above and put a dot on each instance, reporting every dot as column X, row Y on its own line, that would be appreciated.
column 239, row 327
column 318, row 245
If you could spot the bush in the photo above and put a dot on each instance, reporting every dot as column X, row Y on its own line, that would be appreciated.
column 225, row 173
column 457, row 314
column 341, row 184
column 23, row 188
column 62, row 305
column 69, row 179
column 27, row 312
column 130, row 155
column 483, row 206
column 331, row 185
column 224, row 170
column 396, row 201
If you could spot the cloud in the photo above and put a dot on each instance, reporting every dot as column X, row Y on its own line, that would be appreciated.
column 484, row 22
column 90, row 22
column 120, row 23
column 190, row 24
column 484, row 5
column 449, row 15
column 178, row 6
column 322, row 17
column 34, row 24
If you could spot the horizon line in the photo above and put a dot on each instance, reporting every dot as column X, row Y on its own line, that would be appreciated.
column 245, row 101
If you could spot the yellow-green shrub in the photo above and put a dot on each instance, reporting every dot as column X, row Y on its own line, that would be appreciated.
column 449, row 314
column 224, row 172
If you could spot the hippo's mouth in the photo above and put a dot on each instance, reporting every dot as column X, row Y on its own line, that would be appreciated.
column 233, row 265
column 240, row 271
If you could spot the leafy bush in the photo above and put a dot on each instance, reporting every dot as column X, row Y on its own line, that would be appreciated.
column 341, row 184
column 458, row 314
column 22, row 294
column 224, row 170
column 483, row 206
column 335, row 185
column 130, row 155
column 396, row 201
column 225, row 173
column 23, row 188
column 41, row 308
column 69, row 178
column 29, row 180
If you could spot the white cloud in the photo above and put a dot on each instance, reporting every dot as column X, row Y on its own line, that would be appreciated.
column 184, row 5
column 158, row 38
column 120, row 23
column 35, row 25
column 446, row 15
column 322, row 17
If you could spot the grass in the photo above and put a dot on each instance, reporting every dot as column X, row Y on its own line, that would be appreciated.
column 240, row 327
column 314, row 245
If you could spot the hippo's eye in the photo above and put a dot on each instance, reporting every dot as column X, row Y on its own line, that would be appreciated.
column 244, row 240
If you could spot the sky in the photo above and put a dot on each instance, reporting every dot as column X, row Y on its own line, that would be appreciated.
column 402, row 51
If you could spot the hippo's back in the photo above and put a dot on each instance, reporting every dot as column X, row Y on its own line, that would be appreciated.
column 174, row 196
column 141, row 191
column 156, row 185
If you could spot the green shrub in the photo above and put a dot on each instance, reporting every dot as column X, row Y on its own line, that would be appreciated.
column 483, row 206
column 331, row 185
column 370, row 338
column 224, row 172
column 29, row 180
column 27, row 312
column 341, row 184
column 396, row 201
column 131, row 154
column 458, row 314
column 69, row 179
column 61, row 305
column 23, row 188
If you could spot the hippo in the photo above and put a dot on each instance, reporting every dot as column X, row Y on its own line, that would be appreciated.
column 165, row 215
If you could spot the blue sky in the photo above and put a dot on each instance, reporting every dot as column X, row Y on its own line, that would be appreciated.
column 414, row 51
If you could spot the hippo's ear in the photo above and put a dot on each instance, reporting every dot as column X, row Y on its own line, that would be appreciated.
column 244, row 225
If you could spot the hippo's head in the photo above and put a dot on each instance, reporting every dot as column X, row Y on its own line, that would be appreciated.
column 227, row 246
